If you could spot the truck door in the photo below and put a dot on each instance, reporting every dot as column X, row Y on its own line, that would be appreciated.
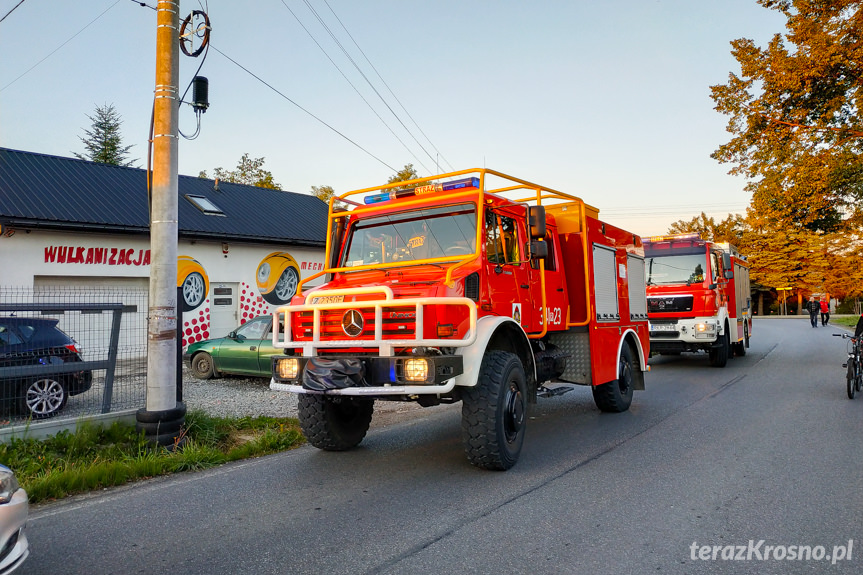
column 506, row 269
column 556, row 299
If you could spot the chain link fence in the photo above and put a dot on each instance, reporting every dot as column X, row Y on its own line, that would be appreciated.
column 68, row 353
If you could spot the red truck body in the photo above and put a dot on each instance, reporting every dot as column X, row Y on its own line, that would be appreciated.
column 457, row 288
column 698, row 297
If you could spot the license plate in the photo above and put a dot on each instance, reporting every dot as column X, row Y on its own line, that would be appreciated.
column 327, row 299
column 663, row 327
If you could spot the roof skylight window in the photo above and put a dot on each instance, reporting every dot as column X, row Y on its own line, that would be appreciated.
column 205, row 205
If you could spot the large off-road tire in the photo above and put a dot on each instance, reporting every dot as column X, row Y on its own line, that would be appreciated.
column 851, row 380
column 334, row 423
column 494, row 412
column 616, row 396
column 202, row 365
column 719, row 354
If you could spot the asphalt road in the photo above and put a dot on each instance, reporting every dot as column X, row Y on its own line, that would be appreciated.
column 768, row 448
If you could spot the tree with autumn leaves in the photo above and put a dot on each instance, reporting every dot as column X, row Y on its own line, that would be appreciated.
column 795, row 119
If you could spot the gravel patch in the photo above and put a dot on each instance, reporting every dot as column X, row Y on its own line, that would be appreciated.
column 238, row 396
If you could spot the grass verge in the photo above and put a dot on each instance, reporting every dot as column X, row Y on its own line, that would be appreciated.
column 850, row 320
column 94, row 457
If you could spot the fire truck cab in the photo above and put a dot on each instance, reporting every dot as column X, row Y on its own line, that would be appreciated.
column 471, row 286
column 698, row 297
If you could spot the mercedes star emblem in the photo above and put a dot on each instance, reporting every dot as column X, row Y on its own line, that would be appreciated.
column 352, row 323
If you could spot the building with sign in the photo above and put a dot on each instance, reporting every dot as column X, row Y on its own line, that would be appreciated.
column 72, row 223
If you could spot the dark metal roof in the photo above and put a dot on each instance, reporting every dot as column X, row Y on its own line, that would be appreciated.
column 38, row 191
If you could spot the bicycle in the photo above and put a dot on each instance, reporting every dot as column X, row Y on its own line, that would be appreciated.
column 854, row 375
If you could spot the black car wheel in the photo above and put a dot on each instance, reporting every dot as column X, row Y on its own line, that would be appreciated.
column 202, row 366
column 42, row 398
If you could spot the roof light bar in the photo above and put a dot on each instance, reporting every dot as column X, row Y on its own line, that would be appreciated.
column 462, row 184
column 689, row 236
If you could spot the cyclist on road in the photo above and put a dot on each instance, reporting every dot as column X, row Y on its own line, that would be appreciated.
column 858, row 331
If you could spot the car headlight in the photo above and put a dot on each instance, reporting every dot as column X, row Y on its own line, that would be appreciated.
column 8, row 485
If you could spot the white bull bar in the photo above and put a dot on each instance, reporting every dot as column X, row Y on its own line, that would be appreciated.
column 284, row 338
column 384, row 347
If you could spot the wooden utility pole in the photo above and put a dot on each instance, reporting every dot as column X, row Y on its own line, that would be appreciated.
column 163, row 417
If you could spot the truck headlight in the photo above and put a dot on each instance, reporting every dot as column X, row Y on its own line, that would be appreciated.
column 416, row 369
column 706, row 330
column 288, row 368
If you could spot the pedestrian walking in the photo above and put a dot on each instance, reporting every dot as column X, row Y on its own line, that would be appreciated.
column 814, row 307
column 825, row 311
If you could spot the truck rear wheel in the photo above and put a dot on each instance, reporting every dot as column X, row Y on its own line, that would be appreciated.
column 719, row 355
column 334, row 423
column 494, row 412
column 616, row 396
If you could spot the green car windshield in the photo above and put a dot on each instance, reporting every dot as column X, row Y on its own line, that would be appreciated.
column 413, row 235
column 255, row 329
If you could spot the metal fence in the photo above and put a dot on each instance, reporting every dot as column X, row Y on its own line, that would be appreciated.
column 68, row 353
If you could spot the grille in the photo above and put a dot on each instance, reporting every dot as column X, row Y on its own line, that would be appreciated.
column 669, row 303
column 471, row 286
column 398, row 323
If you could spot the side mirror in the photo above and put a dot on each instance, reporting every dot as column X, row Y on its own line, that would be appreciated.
column 232, row 335
column 538, row 250
column 729, row 275
column 536, row 221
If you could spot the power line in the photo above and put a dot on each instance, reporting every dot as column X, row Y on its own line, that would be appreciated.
column 359, row 70
column 12, row 10
column 351, row 83
column 259, row 79
column 58, row 47
column 388, row 87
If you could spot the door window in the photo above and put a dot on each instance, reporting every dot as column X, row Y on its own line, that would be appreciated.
column 501, row 239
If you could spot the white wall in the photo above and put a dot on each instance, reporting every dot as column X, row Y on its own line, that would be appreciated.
column 25, row 256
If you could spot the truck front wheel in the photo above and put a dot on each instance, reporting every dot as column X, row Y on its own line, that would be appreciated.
column 616, row 396
column 719, row 355
column 334, row 423
column 494, row 412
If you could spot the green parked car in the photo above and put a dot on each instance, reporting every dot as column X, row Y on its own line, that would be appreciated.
column 245, row 351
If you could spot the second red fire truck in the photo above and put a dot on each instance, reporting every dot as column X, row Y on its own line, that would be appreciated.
column 471, row 286
column 698, row 297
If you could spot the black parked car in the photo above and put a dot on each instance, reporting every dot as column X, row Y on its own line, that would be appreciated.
column 26, row 342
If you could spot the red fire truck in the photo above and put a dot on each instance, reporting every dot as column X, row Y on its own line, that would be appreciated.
column 470, row 286
column 698, row 297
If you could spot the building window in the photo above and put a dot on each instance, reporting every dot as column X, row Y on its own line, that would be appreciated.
column 205, row 205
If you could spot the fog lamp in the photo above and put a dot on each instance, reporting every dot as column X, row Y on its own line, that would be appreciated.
column 416, row 369
column 288, row 368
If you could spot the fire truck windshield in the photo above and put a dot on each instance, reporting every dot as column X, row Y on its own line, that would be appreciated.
column 420, row 234
column 677, row 269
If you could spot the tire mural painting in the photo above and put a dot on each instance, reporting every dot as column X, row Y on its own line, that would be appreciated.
column 278, row 276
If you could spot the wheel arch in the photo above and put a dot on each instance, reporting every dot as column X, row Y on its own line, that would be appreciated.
column 497, row 333
column 630, row 338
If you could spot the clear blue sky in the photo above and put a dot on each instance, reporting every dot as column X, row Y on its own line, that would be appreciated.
column 608, row 100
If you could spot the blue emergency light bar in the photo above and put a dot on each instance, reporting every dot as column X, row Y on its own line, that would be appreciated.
column 463, row 184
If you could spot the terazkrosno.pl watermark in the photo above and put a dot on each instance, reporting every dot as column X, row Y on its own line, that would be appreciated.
column 760, row 551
